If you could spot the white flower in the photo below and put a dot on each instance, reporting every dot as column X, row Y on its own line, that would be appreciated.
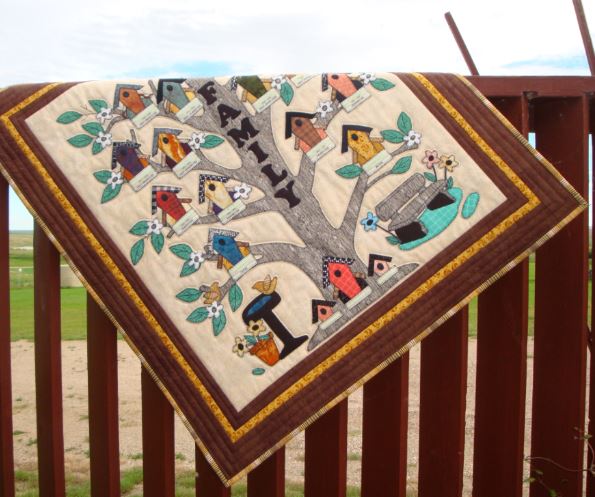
column 240, row 347
column 412, row 138
column 196, row 259
column 196, row 140
column 154, row 227
column 115, row 179
column 277, row 81
column 104, row 139
column 105, row 114
column 241, row 191
column 366, row 78
column 325, row 107
column 214, row 309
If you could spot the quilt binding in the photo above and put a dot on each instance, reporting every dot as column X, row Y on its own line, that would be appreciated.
column 228, row 481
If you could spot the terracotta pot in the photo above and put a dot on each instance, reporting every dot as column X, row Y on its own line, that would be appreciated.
column 266, row 351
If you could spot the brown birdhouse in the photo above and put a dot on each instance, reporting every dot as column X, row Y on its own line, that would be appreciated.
column 130, row 97
column 363, row 147
column 300, row 125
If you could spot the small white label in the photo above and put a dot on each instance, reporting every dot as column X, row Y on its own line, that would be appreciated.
column 301, row 79
column 380, row 159
column 320, row 149
column 186, row 164
column 242, row 267
column 185, row 222
column 327, row 322
column 189, row 110
column 268, row 99
column 383, row 278
column 143, row 178
column 143, row 117
column 231, row 211
column 354, row 100
column 359, row 297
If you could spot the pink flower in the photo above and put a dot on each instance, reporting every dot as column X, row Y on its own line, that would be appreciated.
column 431, row 158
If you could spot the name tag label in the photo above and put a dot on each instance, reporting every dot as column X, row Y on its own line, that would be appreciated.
column 189, row 110
column 145, row 116
column 356, row 99
column 320, row 149
column 242, row 267
column 143, row 178
column 301, row 79
column 231, row 211
column 380, row 159
column 359, row 297
column 186, row 164
column 185, row 222
column 268, row 99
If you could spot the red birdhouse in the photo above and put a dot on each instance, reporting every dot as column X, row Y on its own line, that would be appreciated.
column 336, row 271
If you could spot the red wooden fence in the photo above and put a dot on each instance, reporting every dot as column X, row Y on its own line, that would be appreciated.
column 561, row 112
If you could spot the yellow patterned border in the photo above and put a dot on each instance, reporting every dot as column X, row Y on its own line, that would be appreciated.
column 236, row 434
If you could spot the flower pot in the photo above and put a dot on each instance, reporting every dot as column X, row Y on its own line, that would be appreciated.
column 266, row 351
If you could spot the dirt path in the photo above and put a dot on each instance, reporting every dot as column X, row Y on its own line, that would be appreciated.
column 76, row 415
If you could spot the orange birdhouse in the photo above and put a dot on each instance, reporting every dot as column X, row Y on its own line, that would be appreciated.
column 336, row 271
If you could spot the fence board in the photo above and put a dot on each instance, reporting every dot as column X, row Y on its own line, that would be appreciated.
column 502, row 348
column 158, row 441
column 443, row 385
column 48, row 374
column 326, row 454
column 6, row 446
column 384, row 435
column 102, row 356
column 268, row 478
column 561, row 309
column 208, row 483
column 591, row 427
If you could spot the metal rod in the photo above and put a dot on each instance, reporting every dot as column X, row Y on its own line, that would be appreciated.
column 584, row 29
column 461, row 43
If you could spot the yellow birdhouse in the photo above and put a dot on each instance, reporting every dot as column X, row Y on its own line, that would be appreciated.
column 363, row 147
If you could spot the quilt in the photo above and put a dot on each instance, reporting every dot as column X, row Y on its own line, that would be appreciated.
column 267, row 244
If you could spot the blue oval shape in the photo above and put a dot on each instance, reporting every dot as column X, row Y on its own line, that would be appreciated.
column 257, row 371
column 470, row 205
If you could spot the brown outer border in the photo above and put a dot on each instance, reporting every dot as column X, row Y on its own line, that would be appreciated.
column 232, row 459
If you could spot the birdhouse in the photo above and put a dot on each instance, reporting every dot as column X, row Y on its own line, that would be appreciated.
column 173, row 211
column 323, row 312
column 223, row 202
column 366, row 151
column 310, row 139
column 137, row 106
column 231, row 254
column 175, row 154
column 351, row 288
column 256, row 91
column 135, row 166
column 348, row 91
column 178, row 98
column 379, row 265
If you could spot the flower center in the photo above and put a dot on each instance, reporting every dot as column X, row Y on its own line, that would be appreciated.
column 430, row 157
column 448, row 162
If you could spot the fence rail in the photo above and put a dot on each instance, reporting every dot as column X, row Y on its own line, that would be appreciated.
column 561, row 113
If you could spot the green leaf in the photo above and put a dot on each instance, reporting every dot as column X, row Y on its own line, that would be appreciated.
column 96, row 148
column 80, row 141
column 430, row 177
column 392, row 135
column 103, row 176
column 140, row 228
column 251, row 339
column 258, row 371
column 402, row 165
column 235, row 297
column 98, row 105
column 93, row 128
column 182, row 250
column 188, row 269
column 157, row 240
column 137, row 251
column 382, row 84
column 404, row 123
column 69, row 117
column 189, row 294
column 219, row 323
column 286, row 93
column 393, row 240
column 212, row 141
column 110, row 193
column 198, row 315
column 350, row 171
column 450, row 182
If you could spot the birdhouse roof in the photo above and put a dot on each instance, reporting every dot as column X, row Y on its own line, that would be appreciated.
column 162, row 82
column 116, row 150
column 119, row 87
column 351, row 127
column 326, row 260
column 156, row 189
column 219, row 231
column 201, row 184
column 376, row 257
column 317, row 303
column 290, row 115
column 157, row 132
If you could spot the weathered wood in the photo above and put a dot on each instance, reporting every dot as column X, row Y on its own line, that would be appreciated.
column 454, row 29
column 269, row 477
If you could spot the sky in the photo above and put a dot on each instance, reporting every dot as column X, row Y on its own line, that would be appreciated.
column 68, row 40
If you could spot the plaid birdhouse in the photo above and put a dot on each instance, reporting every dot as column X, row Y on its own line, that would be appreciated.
column 166, row 141
column 166, row 199
column 343, row 86
column 253, row 87
column 300, row 125
column 227, row 249
column 378, row 264
column 174, row 93
column 211, row 187
column 129, row 97
column 363, row 147
column 322, row 310
column 128, row 157
column 336, row 271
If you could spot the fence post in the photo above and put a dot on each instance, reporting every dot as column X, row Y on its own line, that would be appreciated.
column 268, row 478
column 208, row 483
